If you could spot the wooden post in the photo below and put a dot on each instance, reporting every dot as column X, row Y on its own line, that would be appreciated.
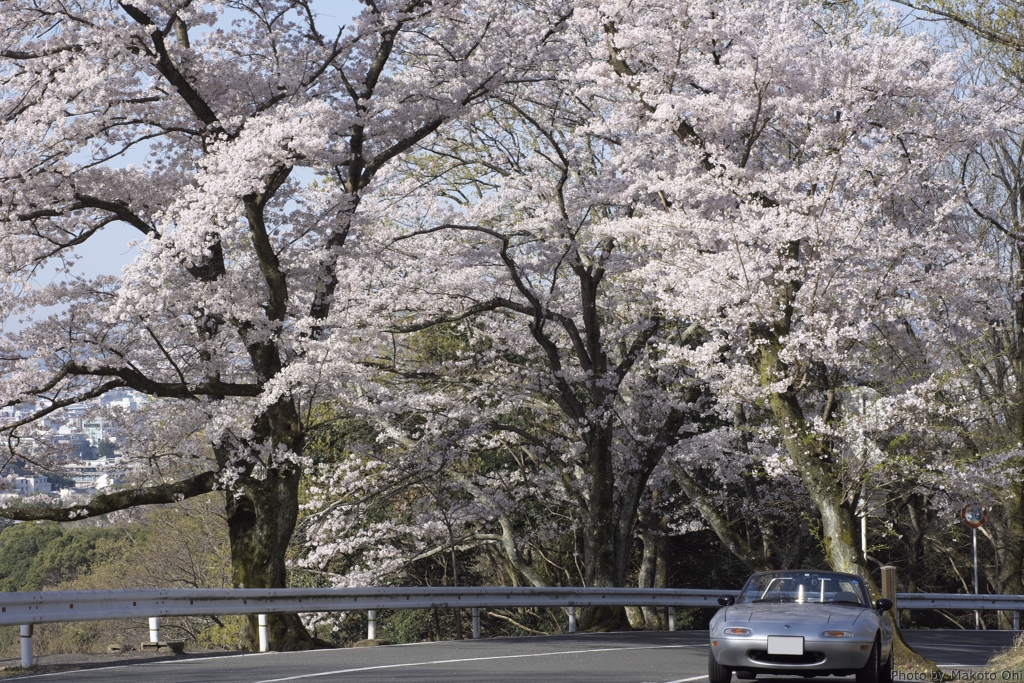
column 889, row 585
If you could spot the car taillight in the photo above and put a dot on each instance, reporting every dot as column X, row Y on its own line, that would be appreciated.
column 737, row 631
column 837, row 634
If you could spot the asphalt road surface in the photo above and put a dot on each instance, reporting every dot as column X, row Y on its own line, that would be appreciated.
column 638, row 657
column 959, row 648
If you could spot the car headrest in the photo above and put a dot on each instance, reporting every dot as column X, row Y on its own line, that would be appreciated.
column 845, row 596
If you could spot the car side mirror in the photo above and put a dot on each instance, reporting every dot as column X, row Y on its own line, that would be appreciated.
column 883, row 604
column 726, row 600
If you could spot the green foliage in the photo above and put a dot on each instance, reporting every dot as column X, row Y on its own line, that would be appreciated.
column 60, row 481
column 37, row 556
column 175, row 546
column 336, row 436
column 407, row 626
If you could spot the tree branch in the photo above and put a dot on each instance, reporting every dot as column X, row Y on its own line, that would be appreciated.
column 492, row 305
column 105, row 503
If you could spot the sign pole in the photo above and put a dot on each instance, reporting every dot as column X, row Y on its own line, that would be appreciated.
column 974, row 516
column 974, row 535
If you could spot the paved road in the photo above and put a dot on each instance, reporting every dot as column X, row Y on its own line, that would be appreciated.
column 959, row 648
column 597, row 658
column 637, row 657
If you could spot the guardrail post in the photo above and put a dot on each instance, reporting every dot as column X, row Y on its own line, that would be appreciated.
column 154, row 629
column 26, row 645
column 671, row 618
column 261, row 619
column 371, row 624
column 572, row 620
column 889, row 585
column 1016, row 620
column 476, row 622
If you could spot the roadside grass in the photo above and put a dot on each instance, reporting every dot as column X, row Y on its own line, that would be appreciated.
column 1010, row 659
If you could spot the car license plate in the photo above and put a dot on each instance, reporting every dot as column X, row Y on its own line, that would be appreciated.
column 785, row 645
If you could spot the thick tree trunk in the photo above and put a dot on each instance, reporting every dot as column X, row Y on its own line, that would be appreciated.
column 599, row 536
column 1011, row 560
column 262, row 509
column 838, row 519
column 261, row 518
column 601, row 553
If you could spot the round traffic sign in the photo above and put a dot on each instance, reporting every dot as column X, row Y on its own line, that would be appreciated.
column 974, row 515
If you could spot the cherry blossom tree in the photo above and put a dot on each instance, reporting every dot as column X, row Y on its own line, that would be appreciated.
column 239, row 145
column 989, row 370
column 562, row 358
column 810, row 219
column 669, row 244
column 567, row 359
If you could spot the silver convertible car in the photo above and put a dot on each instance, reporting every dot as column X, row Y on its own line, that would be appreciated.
column 807, row 623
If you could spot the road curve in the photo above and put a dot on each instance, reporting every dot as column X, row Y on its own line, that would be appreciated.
column 635, row 657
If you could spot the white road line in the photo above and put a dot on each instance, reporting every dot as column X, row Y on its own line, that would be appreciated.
column 186, row 660
column 475, row 659
column 687, row 680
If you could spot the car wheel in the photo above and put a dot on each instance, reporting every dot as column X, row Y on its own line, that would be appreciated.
column 718, row 673
column 869, row 673
column 885, row 675
column 746, row 674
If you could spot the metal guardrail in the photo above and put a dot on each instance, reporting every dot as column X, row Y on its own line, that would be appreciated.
column 27, row 609
column 53, row 606
column 957, row 601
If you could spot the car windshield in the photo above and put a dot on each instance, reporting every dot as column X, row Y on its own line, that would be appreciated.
column 804, row 588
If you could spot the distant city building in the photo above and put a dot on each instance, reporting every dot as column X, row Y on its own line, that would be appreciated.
column 93, row 430
column 95, row 474
column 82, row 438
column 31, row 485
column 123, row 398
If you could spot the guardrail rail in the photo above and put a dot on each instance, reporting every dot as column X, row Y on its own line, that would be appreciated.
column 27, row 609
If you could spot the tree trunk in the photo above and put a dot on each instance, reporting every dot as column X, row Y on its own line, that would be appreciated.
column 599, row 535
column 638, row 617
column 262, row 508
column 261, row 517
column 601, row 553
column 1011, row 561
column 655, row 619
column 838, row 519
